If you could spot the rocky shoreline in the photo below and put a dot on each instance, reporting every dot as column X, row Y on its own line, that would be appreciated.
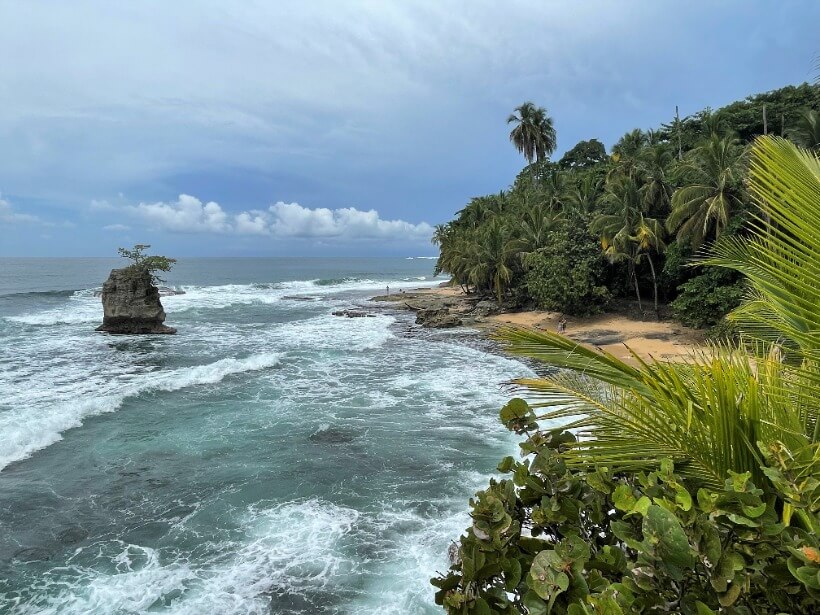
column 620, row 333
column 436, row 310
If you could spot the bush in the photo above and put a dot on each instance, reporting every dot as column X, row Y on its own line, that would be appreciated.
column 144, row 263
column 551, row 539
column 567, row 275
column 706, row 299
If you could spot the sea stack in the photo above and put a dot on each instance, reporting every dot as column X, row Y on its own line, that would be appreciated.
column 131, row 303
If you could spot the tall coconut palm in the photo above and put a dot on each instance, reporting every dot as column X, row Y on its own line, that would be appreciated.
column 626, row 155
column 726, row 410
column 711, row 190
column 533, row 133
column 617, row 230
column 656, row 189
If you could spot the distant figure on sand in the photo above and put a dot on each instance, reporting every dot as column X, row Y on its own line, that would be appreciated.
column 388, row 291
column 562, row 325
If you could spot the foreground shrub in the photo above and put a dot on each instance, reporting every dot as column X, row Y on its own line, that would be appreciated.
column 553, row 539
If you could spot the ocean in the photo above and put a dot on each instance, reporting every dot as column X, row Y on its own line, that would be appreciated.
column 269, row 458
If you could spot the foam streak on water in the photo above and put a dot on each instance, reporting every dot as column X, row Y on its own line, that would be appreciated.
column 270, row 457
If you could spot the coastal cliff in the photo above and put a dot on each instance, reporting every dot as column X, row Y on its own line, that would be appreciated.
column 131, row 304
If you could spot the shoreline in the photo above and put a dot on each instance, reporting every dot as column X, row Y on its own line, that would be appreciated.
column 613, row 331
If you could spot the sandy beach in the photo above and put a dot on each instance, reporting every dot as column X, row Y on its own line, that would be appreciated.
column 615, row 332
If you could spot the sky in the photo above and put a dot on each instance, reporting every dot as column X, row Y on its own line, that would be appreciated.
column 335, row 127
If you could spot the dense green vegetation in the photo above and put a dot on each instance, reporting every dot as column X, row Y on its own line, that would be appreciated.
column 670, row 487
column 650, row 205
column 149, row 263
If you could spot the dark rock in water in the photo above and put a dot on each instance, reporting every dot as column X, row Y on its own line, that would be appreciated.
column 167, row 291
column 299, row 298
column 351, row 313
column 333, row 435
column 131, row 304
column 72, row 535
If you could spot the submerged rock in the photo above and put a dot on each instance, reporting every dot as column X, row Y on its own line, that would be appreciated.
column 131, row 304
column 352, row 313
column 72, row 535
column 332, row 435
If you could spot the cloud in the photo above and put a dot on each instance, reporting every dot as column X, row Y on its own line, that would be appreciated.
column 116, row 227
column 9, row 216
column 293, row 220
column 189, row 214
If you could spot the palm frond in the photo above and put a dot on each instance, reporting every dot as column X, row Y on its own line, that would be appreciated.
column 707, row 414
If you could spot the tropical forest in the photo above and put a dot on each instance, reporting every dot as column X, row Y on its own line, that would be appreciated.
column 645, row 485
column 593, row 227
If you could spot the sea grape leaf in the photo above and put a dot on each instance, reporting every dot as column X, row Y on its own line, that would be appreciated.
column 623, row 498
column 684, row 499
column 517, row 416
column 507, row 464
column 545, row 578
column 663, row 531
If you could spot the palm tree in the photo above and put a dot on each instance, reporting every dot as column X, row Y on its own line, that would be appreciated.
column 807, row 131
column 536, row 223
column 655, row 162
column 582, row 195
column 730, row 408
column 555, row 186
column 617, row 230
column 648, row 237
column 498, row 254
column 533, row 134
column 711, row 190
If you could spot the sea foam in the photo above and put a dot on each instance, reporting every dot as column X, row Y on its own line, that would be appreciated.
column 25, row 432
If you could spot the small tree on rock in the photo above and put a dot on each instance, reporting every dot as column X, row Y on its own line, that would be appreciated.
column 148, row 263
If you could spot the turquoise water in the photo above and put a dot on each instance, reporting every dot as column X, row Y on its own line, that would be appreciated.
column 269, row 458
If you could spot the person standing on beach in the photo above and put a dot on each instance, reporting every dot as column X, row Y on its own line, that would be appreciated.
column 388, row 291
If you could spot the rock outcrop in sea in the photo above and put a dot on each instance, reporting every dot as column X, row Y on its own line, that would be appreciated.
column 131, row 304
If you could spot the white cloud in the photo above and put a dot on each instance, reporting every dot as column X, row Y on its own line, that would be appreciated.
column 116, row 227
column 283, row 220
column 251, row 223
column 9, row 216
column 293, row 220
column 187, row 215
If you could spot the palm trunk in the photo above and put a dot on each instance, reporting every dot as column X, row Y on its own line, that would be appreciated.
column 655, row 284
column 637, row 289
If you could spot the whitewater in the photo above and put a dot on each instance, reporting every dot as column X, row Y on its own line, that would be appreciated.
column 269, row 458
